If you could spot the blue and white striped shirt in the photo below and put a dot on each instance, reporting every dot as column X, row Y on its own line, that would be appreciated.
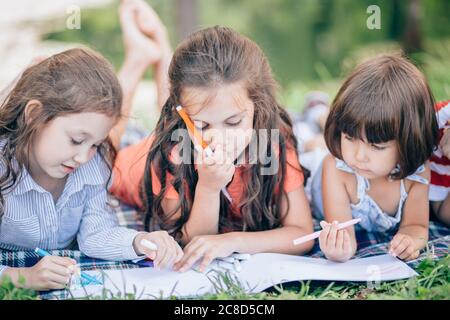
column 32, row 219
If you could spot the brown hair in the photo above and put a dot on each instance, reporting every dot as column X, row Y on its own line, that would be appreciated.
column 386, row 98
column 73, row 81
column 209, row 58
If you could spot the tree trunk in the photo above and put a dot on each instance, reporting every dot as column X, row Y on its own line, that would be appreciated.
column 186, row 17
column 413, row 37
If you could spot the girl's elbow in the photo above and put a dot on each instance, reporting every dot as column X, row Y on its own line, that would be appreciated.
column 304, row 248
column 87, row 250
column 309, row 246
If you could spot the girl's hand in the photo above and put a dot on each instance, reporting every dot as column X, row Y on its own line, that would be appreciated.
column 335, row 243
column 403, row 247
column 168, row 253
column 50, row 272
column 215, row 172
column 207, row 248
column 139, row 47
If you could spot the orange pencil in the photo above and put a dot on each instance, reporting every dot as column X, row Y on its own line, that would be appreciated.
column 199, row 140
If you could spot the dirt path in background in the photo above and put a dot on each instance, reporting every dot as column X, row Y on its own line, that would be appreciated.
column 22, row 23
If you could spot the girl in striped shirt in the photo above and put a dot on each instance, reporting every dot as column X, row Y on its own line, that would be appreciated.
column 55, row 165
column 440, row 166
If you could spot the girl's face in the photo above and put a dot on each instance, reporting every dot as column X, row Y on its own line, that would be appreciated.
column 223, row 115
column 369, row 160
column 66, row 143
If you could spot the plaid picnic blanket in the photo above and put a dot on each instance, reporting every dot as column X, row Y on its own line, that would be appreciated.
column 370, row 244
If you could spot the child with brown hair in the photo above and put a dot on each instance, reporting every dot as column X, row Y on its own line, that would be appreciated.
column 224, row 83
column 380, row 131
column 55, row 167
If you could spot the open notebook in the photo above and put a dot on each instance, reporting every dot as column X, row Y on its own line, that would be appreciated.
column 257, row 274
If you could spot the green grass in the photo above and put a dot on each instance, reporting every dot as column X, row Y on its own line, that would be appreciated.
column 433, row 283
column 9, row 292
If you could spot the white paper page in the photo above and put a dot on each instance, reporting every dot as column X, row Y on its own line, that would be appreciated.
column 267, row 269
column 148, row 283
column 260, row 272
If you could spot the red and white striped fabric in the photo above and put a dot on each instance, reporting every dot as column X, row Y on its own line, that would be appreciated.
column 440, row 164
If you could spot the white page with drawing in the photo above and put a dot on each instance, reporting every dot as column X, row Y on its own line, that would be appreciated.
column 260, row 272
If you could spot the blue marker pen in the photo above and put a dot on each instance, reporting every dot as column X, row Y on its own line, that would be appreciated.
column 85, row 276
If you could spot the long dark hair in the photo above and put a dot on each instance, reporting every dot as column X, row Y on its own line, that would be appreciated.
column 74, row 81
column 209, row 58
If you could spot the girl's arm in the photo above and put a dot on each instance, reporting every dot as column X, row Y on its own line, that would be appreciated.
column 51, row 272
column 204, row 216
column 101, row 236
column 337, row 245
column 296, row 223
column 442, row 210
column 412, row 235
column 214, row 173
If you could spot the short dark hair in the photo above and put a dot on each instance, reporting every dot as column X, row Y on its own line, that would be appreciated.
column 386, row 98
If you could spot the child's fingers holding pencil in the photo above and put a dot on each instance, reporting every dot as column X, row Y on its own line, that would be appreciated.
column 149, row 253
column 63, row 261
column 56, row 271
column 347, row 244
column 66, row 264
column 47, row 274
column 209, row 161
column 340, row 240
column 324, row 224
column 324, row 236
column 219, row 155
column 325, row 232
column 62, row 280
column 162, row 249
column 332, row 236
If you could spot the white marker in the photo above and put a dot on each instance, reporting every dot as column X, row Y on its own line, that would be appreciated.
column 316, row 234
column 237, row 265
column 149, row 245
column 241, row 256
column 227, row 259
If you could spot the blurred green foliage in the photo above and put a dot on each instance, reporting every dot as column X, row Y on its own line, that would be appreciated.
column 305, row 40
